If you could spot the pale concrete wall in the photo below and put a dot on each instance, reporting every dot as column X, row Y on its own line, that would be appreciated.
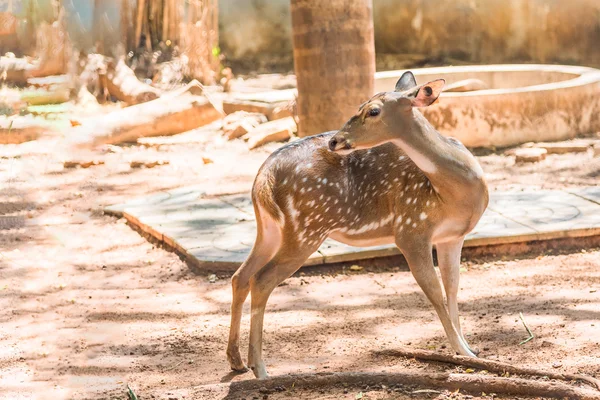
column 525, row 103
column 256, row 32
column 456, row 31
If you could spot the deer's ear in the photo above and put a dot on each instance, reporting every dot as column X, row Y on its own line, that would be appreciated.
column 426, row 94
column 406, row 81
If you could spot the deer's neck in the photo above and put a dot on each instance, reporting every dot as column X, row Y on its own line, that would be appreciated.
column 448, row 165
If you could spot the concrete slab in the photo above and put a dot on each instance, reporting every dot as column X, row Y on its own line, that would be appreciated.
column 218, row 233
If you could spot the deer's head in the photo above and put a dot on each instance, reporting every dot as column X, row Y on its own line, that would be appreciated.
column 386, row 116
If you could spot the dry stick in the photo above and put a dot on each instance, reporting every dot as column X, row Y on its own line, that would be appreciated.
column 489, row 365
column 449, row 381
column 528, row 330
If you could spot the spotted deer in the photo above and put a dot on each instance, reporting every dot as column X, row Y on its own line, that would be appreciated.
column 386, row 177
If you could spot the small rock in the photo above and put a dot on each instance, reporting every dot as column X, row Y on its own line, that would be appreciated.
column 556, row 365
column 239, row 123
column 530, row 155
column 212, row 278
column 570, row 146
column 273, row 131
column 263, row 390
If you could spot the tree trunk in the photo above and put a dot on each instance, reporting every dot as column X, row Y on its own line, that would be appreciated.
column 334, row 60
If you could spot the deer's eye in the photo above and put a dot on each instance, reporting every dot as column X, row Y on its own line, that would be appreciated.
column 373, row 112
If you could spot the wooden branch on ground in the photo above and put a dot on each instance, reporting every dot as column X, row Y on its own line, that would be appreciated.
column 272, row 131
column 174, row 112
column 484, row 364
column 125, row 86
column 17, row 70
column 449, row 381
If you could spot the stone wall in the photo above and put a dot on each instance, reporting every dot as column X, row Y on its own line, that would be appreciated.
column 424, row 32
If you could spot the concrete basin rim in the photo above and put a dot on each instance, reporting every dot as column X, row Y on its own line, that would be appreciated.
column 582, row 76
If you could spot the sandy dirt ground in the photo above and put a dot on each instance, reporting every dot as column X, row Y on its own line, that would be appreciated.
column 88, row 306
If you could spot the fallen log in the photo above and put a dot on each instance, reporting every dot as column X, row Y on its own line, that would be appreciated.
column 125, row 86
column 172, row 113
column 472, row 383
column 241, row 122
column 528, row 155
column 273, row 131
column 16, row 70
column 49, row 82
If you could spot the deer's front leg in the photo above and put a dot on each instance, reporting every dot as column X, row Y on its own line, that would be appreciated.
column 420, row 261
column 449, row 261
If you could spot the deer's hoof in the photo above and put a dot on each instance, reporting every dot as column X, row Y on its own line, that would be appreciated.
column 236, row 363
column 260, row 372
column 239, row 368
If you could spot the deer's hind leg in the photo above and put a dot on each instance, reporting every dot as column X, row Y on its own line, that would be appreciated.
column 288, row 260
column 449, row 262
column 268, row 241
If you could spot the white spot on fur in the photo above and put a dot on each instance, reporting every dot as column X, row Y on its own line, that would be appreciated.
column 423, row 216
column 293, row 212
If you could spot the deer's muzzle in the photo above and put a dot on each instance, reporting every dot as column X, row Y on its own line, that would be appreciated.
column 338, row 142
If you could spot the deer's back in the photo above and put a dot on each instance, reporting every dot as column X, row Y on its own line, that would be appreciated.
column 314, row 191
